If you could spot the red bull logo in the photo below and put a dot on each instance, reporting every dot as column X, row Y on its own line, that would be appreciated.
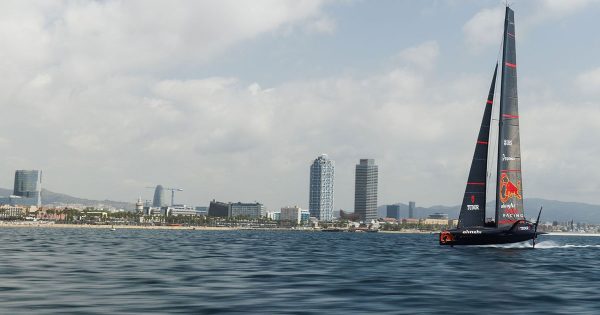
column 508, row 189
column 472, row 198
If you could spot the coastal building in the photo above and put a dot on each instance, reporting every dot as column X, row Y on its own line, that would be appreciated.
column 273, row 215
column 139, row 205
column 218, row 209
column 430, row 221
column 438, row 215
column 393, row 211
column 320, row 201
column 27, row 188
column 152, row 211
column 411, row 209
column 365, row 190
column 249, row 210
column 12, row 212
column 304, row 216
column 180, row 210
column 291, row 214
column 159, row 197
column 202, row 210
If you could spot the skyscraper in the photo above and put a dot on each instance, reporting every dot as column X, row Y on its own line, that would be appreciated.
column 159, row 197
column 393, row 211
column 365, row 190
column 28, row 186
column 320, row 201
column 411, row 209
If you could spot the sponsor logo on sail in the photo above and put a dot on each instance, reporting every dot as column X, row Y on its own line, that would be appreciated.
column 472, row 207
column 507, row 142
column 524, row 228
column 471, row 232
column 512, row 213
column 507, row 158
column 508, row 189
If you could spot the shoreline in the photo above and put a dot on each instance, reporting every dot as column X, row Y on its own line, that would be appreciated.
column 117, row 227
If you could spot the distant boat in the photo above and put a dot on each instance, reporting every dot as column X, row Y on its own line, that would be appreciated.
column 510, row 225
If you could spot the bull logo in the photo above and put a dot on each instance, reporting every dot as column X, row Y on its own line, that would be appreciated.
column 508, row 189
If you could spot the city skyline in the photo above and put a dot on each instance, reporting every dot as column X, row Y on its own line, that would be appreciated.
column 235, row 108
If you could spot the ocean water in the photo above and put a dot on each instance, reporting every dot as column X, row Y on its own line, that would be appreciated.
column 94, row 271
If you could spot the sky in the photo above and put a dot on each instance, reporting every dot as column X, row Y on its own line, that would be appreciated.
column 233, row 100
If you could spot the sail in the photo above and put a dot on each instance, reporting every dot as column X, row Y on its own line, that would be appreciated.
column 472, row 211
column 509, row 189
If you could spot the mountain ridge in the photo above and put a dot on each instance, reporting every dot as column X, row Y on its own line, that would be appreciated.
column 554, row 210
column 50, row 198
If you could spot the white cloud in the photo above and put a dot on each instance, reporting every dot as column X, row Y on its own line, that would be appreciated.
column 324, row 24
column 589, row 81
column 423, row 56
column 93, row 88
column 484, row 28
column 558, row 9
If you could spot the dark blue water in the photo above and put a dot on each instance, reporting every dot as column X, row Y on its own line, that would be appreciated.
column 90, row 271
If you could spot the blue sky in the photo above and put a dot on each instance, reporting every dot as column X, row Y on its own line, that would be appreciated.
column 233, row 100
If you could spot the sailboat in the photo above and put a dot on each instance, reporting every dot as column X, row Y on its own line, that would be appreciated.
column 510, row 225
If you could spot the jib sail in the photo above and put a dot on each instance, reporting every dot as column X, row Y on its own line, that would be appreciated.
column 472, row 211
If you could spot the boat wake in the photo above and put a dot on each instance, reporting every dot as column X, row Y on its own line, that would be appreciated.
column 542, row 245
column 552, row 244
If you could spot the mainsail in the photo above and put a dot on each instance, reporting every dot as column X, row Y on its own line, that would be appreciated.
column 472, row 211
column 509, row 189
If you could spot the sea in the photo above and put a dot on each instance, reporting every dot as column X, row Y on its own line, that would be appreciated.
column 128, row 271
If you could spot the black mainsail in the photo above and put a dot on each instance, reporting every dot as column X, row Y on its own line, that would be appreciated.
column 509, row 189
column 472, row 211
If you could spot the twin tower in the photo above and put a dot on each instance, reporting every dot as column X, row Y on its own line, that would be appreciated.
column 322, row 174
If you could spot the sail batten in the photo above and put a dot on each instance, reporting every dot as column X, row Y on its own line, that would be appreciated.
column 509, row 185
column 472, row 210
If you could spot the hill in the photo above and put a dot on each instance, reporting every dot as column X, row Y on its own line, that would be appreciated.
column 553, row 210
column 50, row 198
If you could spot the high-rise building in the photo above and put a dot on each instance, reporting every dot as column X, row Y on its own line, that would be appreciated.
column 411, row 209
column 159, row 197
column 28, row 188
column 365, row 190
column 393, row 211
column 320, row 201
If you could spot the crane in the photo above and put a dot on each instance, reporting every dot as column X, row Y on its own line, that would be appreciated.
column 173, row 190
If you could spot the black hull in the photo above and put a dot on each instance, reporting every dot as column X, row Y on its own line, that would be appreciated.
column 520, row 232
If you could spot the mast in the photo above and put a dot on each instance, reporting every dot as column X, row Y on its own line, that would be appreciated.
column 472, row 210
column 509, row 190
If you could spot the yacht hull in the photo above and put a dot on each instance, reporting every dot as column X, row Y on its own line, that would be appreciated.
column 521, row 231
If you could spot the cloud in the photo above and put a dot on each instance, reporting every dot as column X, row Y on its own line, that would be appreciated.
column 422, row 56
column 484, row 29
column 589, row 81
column 558, row 9
column 97, row 98
column 324, row 24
